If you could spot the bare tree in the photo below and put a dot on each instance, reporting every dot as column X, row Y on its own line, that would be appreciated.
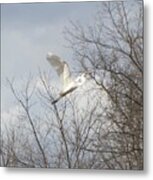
column 100, row 127
column 113, row 50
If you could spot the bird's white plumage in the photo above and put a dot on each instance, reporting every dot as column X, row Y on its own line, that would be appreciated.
column 62, row 69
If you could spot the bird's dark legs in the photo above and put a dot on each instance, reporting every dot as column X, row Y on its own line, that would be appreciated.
column 56, row 100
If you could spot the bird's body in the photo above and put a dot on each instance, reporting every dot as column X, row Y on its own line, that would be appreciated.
column 63, row 71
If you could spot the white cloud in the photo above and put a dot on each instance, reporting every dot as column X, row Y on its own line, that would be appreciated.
column 10, row 116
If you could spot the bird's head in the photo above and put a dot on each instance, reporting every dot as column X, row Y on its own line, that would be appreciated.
column 86, row 75
column 81, row 79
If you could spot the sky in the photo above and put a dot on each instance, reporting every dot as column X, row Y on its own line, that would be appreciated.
column 28, row 32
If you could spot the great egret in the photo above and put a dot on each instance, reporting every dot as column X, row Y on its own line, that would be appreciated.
column 63, row 71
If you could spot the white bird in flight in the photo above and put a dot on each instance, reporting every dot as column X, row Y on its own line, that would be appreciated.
column 63, row 71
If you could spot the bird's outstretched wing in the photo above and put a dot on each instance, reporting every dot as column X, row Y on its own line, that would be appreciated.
column 61, row 67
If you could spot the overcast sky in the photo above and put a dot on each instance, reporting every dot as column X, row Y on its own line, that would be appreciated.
column 29, row 31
